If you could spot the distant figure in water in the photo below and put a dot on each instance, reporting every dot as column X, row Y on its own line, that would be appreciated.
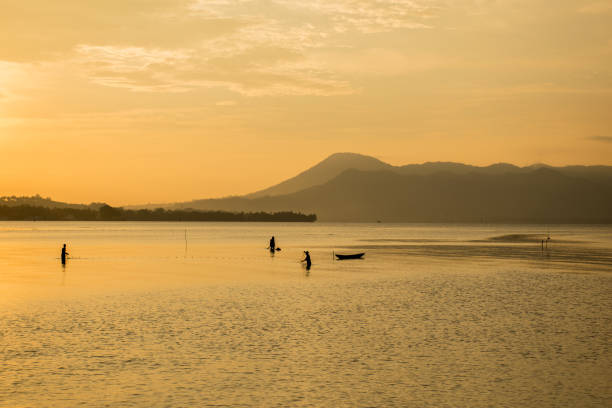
column 272, row 244
column 307, row 259
column 64, row 254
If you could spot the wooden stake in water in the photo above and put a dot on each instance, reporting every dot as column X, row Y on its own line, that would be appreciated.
column 185, row 242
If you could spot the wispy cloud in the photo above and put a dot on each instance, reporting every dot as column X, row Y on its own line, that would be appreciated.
column 249, row 69
column 252, row 47
column 370, row 16
column 226, row 103
column 127, row 59
column 263, row 58
column 135, row 68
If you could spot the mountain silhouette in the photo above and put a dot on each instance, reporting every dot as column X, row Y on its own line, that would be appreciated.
column 434, row 192
column 323, row 172
column 349, row 187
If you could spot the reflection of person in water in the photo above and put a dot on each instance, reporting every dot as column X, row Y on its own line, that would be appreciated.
column 64, row 254
column 272, row 244
column 307, row 259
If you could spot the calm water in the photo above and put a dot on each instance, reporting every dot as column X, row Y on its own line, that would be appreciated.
column 184, row 315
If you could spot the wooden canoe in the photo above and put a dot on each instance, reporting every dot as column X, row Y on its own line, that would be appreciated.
column 349, row 256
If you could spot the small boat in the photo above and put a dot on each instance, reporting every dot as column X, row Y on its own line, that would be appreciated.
column 349, row 256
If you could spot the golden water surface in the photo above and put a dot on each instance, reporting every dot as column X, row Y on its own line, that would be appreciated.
column 183, row 315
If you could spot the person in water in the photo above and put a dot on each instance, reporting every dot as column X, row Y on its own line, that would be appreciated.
column 307, row 259
column 64, row 254
column 272, row 244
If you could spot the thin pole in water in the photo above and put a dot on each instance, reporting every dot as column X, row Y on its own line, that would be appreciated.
column 185, row 242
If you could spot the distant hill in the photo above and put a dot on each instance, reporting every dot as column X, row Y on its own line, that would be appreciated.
column 337, row 163
column 46, row 202
column 437, row 192
column 323, row 172
column 599, row 173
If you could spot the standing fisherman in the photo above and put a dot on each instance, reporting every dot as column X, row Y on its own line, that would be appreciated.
column 307, row 259
column 272, row 244
column 64, row 254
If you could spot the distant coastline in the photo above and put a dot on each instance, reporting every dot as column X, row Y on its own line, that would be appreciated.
column 108, row 213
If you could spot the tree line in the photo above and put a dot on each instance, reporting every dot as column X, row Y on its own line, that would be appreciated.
column 108, row 213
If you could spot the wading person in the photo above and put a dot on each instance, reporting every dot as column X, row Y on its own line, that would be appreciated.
column 307, row 259
column 64, row 254
column 272, row 244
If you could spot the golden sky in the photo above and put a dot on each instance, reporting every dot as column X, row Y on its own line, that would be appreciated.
column 134, row 101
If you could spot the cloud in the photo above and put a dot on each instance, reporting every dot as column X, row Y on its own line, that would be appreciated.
column 226, row 103
column 40, row 30
column 263, row 58
column 247, row 69
column 370, row 16
column 288, row 47
column 251, row 47
column 126, row 59
column 135, row 68
column 603, row 139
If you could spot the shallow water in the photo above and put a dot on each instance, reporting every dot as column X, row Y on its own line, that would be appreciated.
column 174, row 314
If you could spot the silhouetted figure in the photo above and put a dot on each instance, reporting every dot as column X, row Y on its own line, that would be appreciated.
column 272, row 244
column 307, row 260
column 64, row 254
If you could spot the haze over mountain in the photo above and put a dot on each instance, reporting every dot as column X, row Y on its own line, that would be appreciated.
column 352, row 187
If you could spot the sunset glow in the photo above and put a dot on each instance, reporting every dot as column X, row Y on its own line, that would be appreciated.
column 166, row 100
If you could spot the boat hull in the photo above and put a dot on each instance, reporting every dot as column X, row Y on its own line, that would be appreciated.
column 342, row 257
